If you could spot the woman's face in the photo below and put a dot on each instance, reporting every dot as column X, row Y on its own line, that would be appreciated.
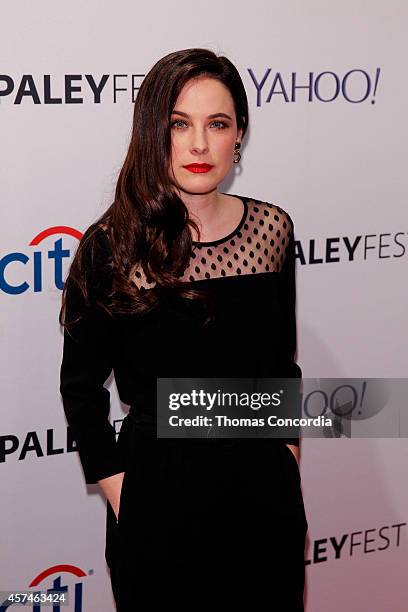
column 203, row 131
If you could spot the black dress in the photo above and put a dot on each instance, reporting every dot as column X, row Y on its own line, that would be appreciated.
column 211, row 519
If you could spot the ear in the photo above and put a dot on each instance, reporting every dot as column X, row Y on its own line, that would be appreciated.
column 239, row 134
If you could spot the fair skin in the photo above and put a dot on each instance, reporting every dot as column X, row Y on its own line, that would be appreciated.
column 112, row 487
column 203, row 130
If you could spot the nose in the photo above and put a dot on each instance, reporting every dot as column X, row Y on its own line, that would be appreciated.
column 199, row 144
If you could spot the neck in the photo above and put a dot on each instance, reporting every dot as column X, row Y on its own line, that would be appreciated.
column 203, row 208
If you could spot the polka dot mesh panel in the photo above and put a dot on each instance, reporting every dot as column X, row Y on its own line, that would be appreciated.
column 257, row 245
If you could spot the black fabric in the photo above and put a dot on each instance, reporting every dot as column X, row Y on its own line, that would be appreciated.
column 202, row 526
column 172, row 487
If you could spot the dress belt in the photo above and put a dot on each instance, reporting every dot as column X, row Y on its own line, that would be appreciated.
column 149, row 420
column 141, row 418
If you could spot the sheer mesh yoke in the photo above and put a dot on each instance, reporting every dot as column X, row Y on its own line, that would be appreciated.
column 258, row 244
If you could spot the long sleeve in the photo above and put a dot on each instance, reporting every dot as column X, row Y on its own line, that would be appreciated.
column 288, row 296
column 86, row 364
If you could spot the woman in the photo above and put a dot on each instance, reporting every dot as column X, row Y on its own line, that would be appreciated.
column 177, row 279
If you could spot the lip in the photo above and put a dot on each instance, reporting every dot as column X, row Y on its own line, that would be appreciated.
column 197, row 168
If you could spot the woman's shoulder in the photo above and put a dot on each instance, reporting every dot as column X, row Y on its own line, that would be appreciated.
column 95, row 247
column 91, row 269
column 98, row 233
column 269, row 213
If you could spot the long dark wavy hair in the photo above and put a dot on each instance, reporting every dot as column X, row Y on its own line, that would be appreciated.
column 147, row 223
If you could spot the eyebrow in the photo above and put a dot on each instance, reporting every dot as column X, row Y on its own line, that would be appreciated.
column 213, row 116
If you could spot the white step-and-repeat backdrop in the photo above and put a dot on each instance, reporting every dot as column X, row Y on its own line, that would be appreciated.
column 327, row 142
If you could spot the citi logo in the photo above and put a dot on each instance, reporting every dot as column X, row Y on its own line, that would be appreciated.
column 24, row 271
column 58, row 589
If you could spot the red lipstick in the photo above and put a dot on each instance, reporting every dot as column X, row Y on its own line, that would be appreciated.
column 198, row 167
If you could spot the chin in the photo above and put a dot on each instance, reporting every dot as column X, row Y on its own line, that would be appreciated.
column 198, row 190
column 199, row 185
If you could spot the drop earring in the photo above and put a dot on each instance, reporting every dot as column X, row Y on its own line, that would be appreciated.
column 237, row 154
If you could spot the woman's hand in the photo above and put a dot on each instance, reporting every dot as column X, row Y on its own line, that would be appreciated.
column 295, row 451
column 112, row 487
